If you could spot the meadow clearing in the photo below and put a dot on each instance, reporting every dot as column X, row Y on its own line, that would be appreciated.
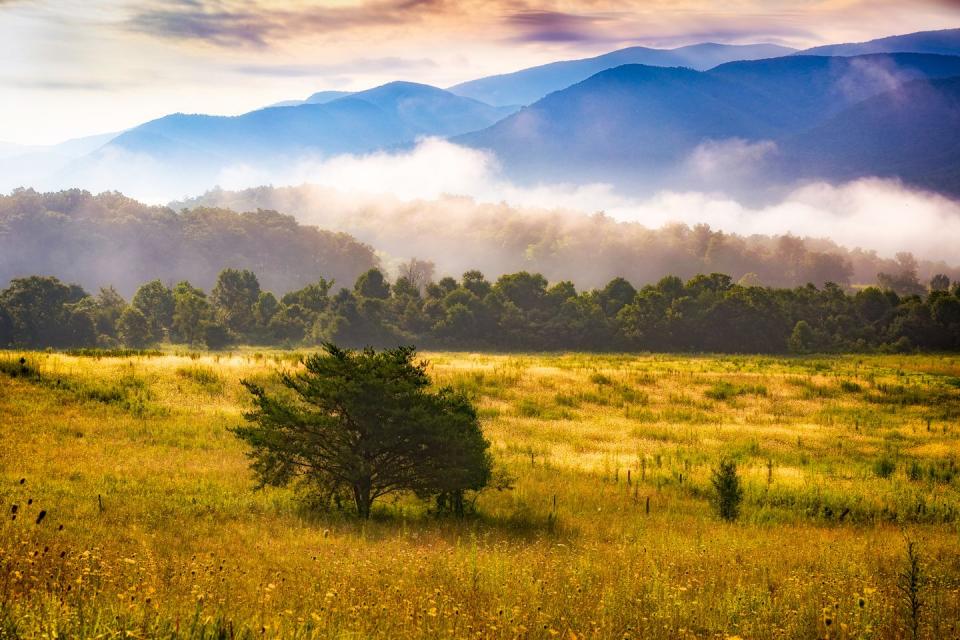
column 151, row 526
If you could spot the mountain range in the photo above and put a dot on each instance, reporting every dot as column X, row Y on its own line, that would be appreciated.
column 636, row 117
column 379, row 118
column 944, row 42
column 635, row 123
column 529, row 85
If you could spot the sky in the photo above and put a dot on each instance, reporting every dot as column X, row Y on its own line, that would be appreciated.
column 80, row 67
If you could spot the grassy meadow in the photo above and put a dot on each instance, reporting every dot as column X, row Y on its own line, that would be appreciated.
column 152, row 527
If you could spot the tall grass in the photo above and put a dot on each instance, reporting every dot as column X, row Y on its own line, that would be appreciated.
column 609, row 531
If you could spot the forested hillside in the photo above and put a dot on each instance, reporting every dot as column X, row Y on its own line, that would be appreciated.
column 109, row 238
column 458, row 234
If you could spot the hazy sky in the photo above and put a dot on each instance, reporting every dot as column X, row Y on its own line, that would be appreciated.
column 78, row 67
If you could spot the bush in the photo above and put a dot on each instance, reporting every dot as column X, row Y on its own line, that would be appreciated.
column 367, row 424
column 216, row 336
column 729, row 493
column 884, row 467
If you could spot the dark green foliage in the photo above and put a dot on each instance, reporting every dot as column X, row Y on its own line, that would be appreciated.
column 216, row 336
column 519, row 311
column 95, row 239
column 728, row 493
column 6, row 327
column 234, row 297
column 156, row 302
column 366, row 422
column 801, row 338
column 191, row 314
column 372, row 284
column 42, row 312
column 133, row 328
column 884, row 467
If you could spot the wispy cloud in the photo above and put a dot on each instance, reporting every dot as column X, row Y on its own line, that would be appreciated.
column 240, row 23
column 361, row 65
column 556, row 26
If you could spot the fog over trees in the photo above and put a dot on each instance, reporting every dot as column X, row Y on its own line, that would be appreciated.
column 459, row 234
column 104, row 239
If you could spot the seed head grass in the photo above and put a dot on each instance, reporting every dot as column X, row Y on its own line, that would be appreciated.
column 136, row 513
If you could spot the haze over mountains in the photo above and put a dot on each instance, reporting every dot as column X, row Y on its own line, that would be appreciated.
column 943, row 42
column 639, row 125
column 529, row 85
column 745, row 121
column 379, row 118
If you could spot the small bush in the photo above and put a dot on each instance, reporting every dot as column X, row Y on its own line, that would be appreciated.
column 725, row 391
column 850, row 387
column 884, row 467
column 529, row 409
column 203, row 376
column 728, row 492
column 18, row 368
column 915, row 471
column 600, row 379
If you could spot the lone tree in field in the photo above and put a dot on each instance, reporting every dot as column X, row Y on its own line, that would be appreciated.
column 367, row 422
column 729, row 494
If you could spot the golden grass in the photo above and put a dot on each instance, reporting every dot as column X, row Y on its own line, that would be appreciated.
column 163, row 534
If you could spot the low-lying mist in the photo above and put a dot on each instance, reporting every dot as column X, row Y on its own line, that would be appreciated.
column 456, row 207
column 453, row 205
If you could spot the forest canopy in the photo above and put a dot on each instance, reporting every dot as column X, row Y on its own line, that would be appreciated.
column 459, row 234
column 518, row 311
column 109, row 238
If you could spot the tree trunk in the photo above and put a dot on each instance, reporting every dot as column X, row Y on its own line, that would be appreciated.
column 361, row 496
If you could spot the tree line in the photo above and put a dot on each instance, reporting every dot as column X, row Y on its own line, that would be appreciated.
column 516, row 311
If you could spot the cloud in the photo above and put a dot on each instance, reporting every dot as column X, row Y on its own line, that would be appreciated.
column 360, row 65
column 190, row 20
column 724, row 159
column 50, row 84
column 245, row 23
column 875, row 214
column 454, row 205
column 556, row 26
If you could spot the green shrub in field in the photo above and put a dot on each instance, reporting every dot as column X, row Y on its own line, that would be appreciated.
column 848, row 386
column 728, row 492
column 915, row 471
column 205, row 377
column 529, row 408
column 600, row 379
column 884, row 466
column 17, row 368
column 725, row 391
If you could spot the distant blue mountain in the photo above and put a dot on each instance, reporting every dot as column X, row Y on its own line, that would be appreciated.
column 386, row 116
column 320, row 97
column 944, row 42
column 529, row 85
column 911, row 133
column 636, row 124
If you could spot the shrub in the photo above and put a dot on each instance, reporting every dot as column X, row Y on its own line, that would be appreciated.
column 366, row 423
column 729, row 493
column 884, row 467
column 850, row 387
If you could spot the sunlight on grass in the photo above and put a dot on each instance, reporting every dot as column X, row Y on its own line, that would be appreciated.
column 608, row 533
